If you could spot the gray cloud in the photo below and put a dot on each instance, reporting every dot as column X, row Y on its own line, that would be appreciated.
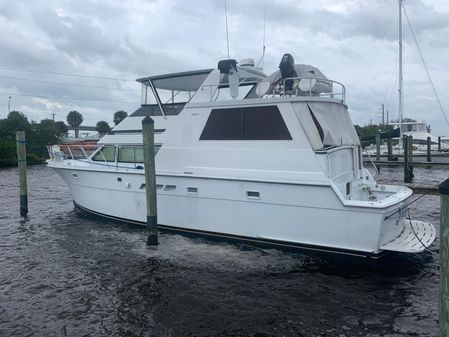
column 353, row 42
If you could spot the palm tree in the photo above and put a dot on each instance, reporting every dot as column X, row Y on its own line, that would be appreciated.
column 74, row 119
column 119, row 116
column 102, row 128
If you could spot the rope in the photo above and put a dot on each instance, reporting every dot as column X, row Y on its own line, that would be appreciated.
column 411, row 202
column 374, row 165
column 414, row 233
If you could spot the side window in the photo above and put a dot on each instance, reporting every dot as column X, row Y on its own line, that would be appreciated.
column 253, row 123
column 130, row 154
column 106, row 153
column 223, row 124
column 264, row 123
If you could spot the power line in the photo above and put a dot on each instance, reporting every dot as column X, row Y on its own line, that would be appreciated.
column 425, row 67
column 62, row 83
column 65, row 99
column 16, row 68
column 378, row 48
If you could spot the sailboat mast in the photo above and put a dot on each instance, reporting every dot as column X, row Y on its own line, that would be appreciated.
column 401, row 79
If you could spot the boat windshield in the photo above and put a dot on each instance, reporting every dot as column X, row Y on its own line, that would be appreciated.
column 167, row 94
column 172, row 88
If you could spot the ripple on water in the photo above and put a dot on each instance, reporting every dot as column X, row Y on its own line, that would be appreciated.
column 68, row 275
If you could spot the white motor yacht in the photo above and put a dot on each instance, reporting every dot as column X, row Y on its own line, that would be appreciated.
column 241, row 156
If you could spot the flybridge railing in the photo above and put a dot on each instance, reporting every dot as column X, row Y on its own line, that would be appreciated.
column 71, row 151
column 313, row 87
column 215, row 89
column 289, row 87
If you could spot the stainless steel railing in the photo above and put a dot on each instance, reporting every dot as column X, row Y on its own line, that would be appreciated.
column 71, row 151
column 300, row 87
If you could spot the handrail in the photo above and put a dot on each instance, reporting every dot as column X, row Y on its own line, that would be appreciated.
column 298, row 92
column 212, row 93
column 333, row 92
column 75, row 151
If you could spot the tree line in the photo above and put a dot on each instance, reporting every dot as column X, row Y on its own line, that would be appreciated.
column 41, row 134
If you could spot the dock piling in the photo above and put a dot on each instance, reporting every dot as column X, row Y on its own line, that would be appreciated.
column 439, row 144
column 378, row 146
column 408, row 175
column 444, row 259
column 429, row 144
column 389, row 149
column 150, row 179
column 22, row 164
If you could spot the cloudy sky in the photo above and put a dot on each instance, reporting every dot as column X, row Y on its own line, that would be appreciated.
column 63, row 55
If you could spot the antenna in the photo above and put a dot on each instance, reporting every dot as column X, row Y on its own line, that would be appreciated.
column 227, row 31
column 262, row 58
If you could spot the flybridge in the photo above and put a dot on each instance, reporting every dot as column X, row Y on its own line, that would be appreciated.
column 167, row 94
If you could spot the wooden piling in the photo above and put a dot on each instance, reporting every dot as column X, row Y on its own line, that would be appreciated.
column 444, row 259
column 429, row 148
column 439, row 144
column 407, row 172
column 150, row 179
column 22, row 164
column 378, row 146
column 405, row 148
column 410, row 158
column 389, row 149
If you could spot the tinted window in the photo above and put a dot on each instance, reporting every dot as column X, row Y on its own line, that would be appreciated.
column 106, row 153
column 224, row 124
column 253, row 123
column 130, row 154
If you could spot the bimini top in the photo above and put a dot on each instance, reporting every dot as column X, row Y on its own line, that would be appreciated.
column 183, row 81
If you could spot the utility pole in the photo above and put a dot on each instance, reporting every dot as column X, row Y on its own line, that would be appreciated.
column 53, row 115
column 388, row 118
column 383, row 114
column 9, row 104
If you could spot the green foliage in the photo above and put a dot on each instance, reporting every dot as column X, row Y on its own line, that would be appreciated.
column 47, row 132
column 15, row 121
column 119, row 116
column 103, row 128
column 369, row 132
column 61, row 129
column 7, row 153
column 38, row 135
column 74, row 118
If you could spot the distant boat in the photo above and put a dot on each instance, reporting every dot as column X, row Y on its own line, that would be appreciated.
column 419, row 131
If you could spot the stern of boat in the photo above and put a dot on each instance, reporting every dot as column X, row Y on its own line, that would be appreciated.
column 400, row 233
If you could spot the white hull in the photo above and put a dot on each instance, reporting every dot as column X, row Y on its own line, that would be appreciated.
column 285, row 213
column 259, row 159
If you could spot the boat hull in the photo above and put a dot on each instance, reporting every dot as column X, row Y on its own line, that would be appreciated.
column 276, row 214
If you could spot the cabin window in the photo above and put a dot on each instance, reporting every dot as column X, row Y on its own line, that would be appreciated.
column 106, row 153
column 251, row 123
column 130, row 154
